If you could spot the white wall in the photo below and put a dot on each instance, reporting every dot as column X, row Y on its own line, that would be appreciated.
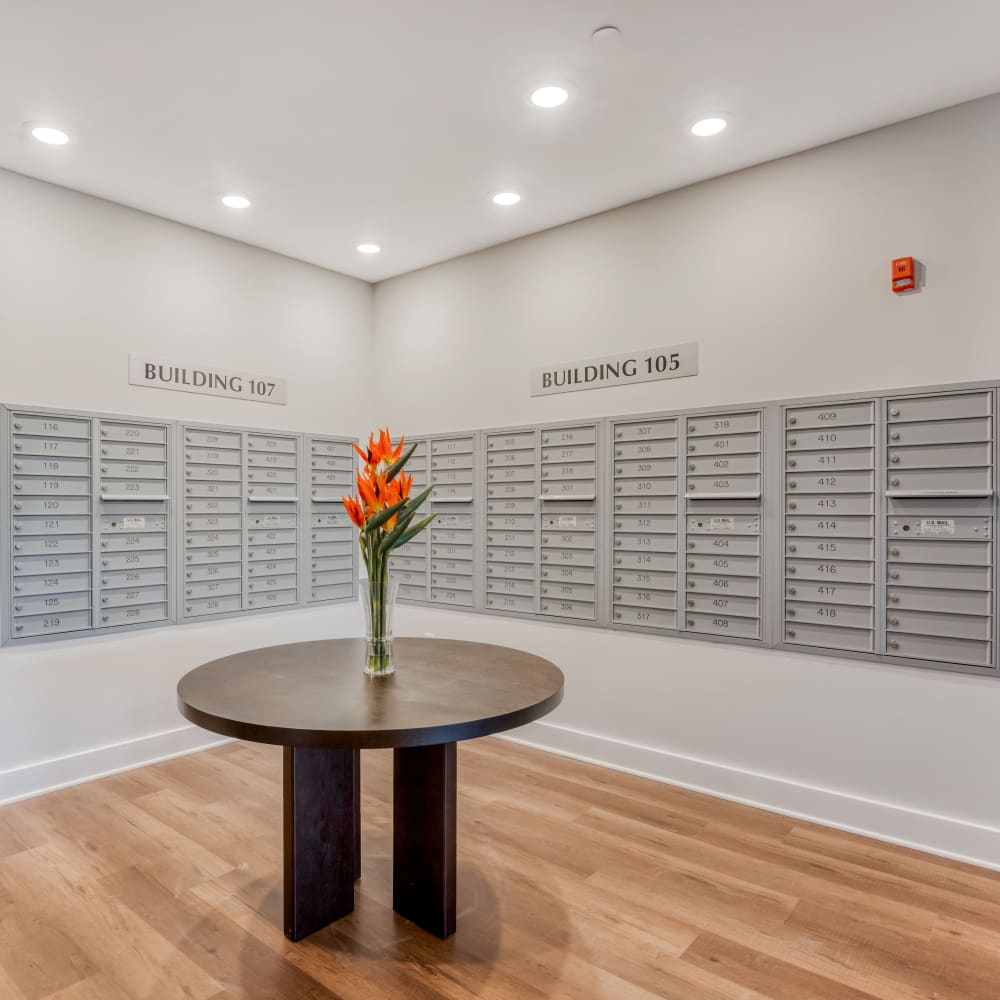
column 82, row 283
column 781, row 273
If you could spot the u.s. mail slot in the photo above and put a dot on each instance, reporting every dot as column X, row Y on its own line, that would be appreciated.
column 51, row 506
column 409, row 562
column 830, row 569
column 511, row 538
column 204, row 457
column 652, row 561
column 335, row 593
column 58, row 525
column 568, row 590
column 830, row 548
column 832, row 460
column 41, row 544
column 569, row 435
column 199, row 539
column 638, row 597
column 51, row 426
column 720, row 624
column 646, row 467
column 133, row 541
column 51, row 624
column 113, row 430
column 279, row 567
column 579, row 471
column 51, row 563
column 644, row 451
column 459, row 566
column 135, row 487
column 660, row 487
column 52, row 447
column 510, row 602
column 647, row 523
column 213, row 555
column 460, row 536
column 962, row 602
column 212, row 473
column 448, row 463
column 320, row 447
column 644, row 542
column 940, row 482
column 46, row 604
column 275, row 491
column 51, row 486
column 833, row 437
column 941, row 432
column 257, row 443
column 830, row 416
column 130, row 596
column 946, row 650
column 452, row 491
column 579, row 574
column 330, row 493
column 273, row 599
column 722, row 423
column 645, row 580
column 644, row 617
column 55, row 583
column 645, row 430
column 268, row 537
column 723, row 564
column 511, row 522
column 196, row 607
column 330, row 535
column 829, row 482
column 504, row 459
column 335, row 577
column 215, row 506
column 225, row 571
column 826, row 592
column 730, row 545
column 715, row 465
column 512, row 474
column 584, row 489
column 511, row 570
column 463, row 598
column 258, row 553
column 213, row 588
column 968, row 553
column 944, row 407
column 839, row 615
column 451, row 551
column 317, row 520
column 829, row 637
column 707, row 487
column 413, row 592
column 516, row 440
column 567, row 557
column 499, row 585
column 52, row 466
column 730, row 444
column 568, row 539
column 958, row 626
column 452, row 446
column 212, row 522
column 569, row 609
column 330, row 463
column 511, row 492
column 572, row 454
column 646, row 504
column 942, row 456
column 454, row 580
column 315, row 549
column 830, row 527
column 322, row 478
column 830, row 504
column 725, row 604
column 134, row 470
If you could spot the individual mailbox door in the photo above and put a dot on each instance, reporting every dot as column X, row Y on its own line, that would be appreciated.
column 454, row 462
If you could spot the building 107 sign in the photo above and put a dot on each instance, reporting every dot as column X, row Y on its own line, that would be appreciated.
column 676, row 361
column 159, row 373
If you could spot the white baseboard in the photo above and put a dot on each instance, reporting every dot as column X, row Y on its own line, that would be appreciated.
column 947, row 836
column 59, row 772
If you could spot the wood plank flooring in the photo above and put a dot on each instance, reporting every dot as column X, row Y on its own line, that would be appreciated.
column 575, row 882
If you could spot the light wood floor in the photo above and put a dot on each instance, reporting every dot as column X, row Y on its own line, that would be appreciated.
column 574, row 882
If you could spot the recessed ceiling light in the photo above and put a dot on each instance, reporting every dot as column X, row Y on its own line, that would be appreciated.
column 369, row 248
column 506, row 198
column 708, row 126
column 52, row 136
column 235, row 201
column 549, row 97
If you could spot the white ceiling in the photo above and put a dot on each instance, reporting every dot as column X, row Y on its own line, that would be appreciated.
column 394, row 120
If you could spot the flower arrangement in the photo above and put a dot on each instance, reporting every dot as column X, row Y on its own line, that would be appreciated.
column 384, row 512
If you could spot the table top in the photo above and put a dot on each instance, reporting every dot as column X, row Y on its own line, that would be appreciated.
column 316, row 694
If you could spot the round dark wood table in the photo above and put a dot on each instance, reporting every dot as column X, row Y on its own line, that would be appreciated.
column 314, row 699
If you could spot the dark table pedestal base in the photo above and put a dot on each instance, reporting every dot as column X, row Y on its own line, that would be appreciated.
column 322, row 803
column 322, row 806
column 424, row 807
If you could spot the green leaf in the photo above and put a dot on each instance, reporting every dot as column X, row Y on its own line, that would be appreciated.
column 407, row 516
column 394, row 540
column 377, row 520
column 397, row 466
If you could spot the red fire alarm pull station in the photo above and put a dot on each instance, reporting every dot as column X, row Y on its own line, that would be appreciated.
column 904, row 274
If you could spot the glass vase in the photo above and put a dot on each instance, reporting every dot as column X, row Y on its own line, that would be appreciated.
column 379, row 601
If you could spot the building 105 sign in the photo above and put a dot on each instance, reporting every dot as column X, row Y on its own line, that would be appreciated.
column 158, row 373
column 677, row 361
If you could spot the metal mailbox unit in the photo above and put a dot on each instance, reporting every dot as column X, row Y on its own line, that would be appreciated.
column 410, row 563
column 331, row 562
column 88, row 509
column 829, row 525
column 453, row 562
column 723, row 523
